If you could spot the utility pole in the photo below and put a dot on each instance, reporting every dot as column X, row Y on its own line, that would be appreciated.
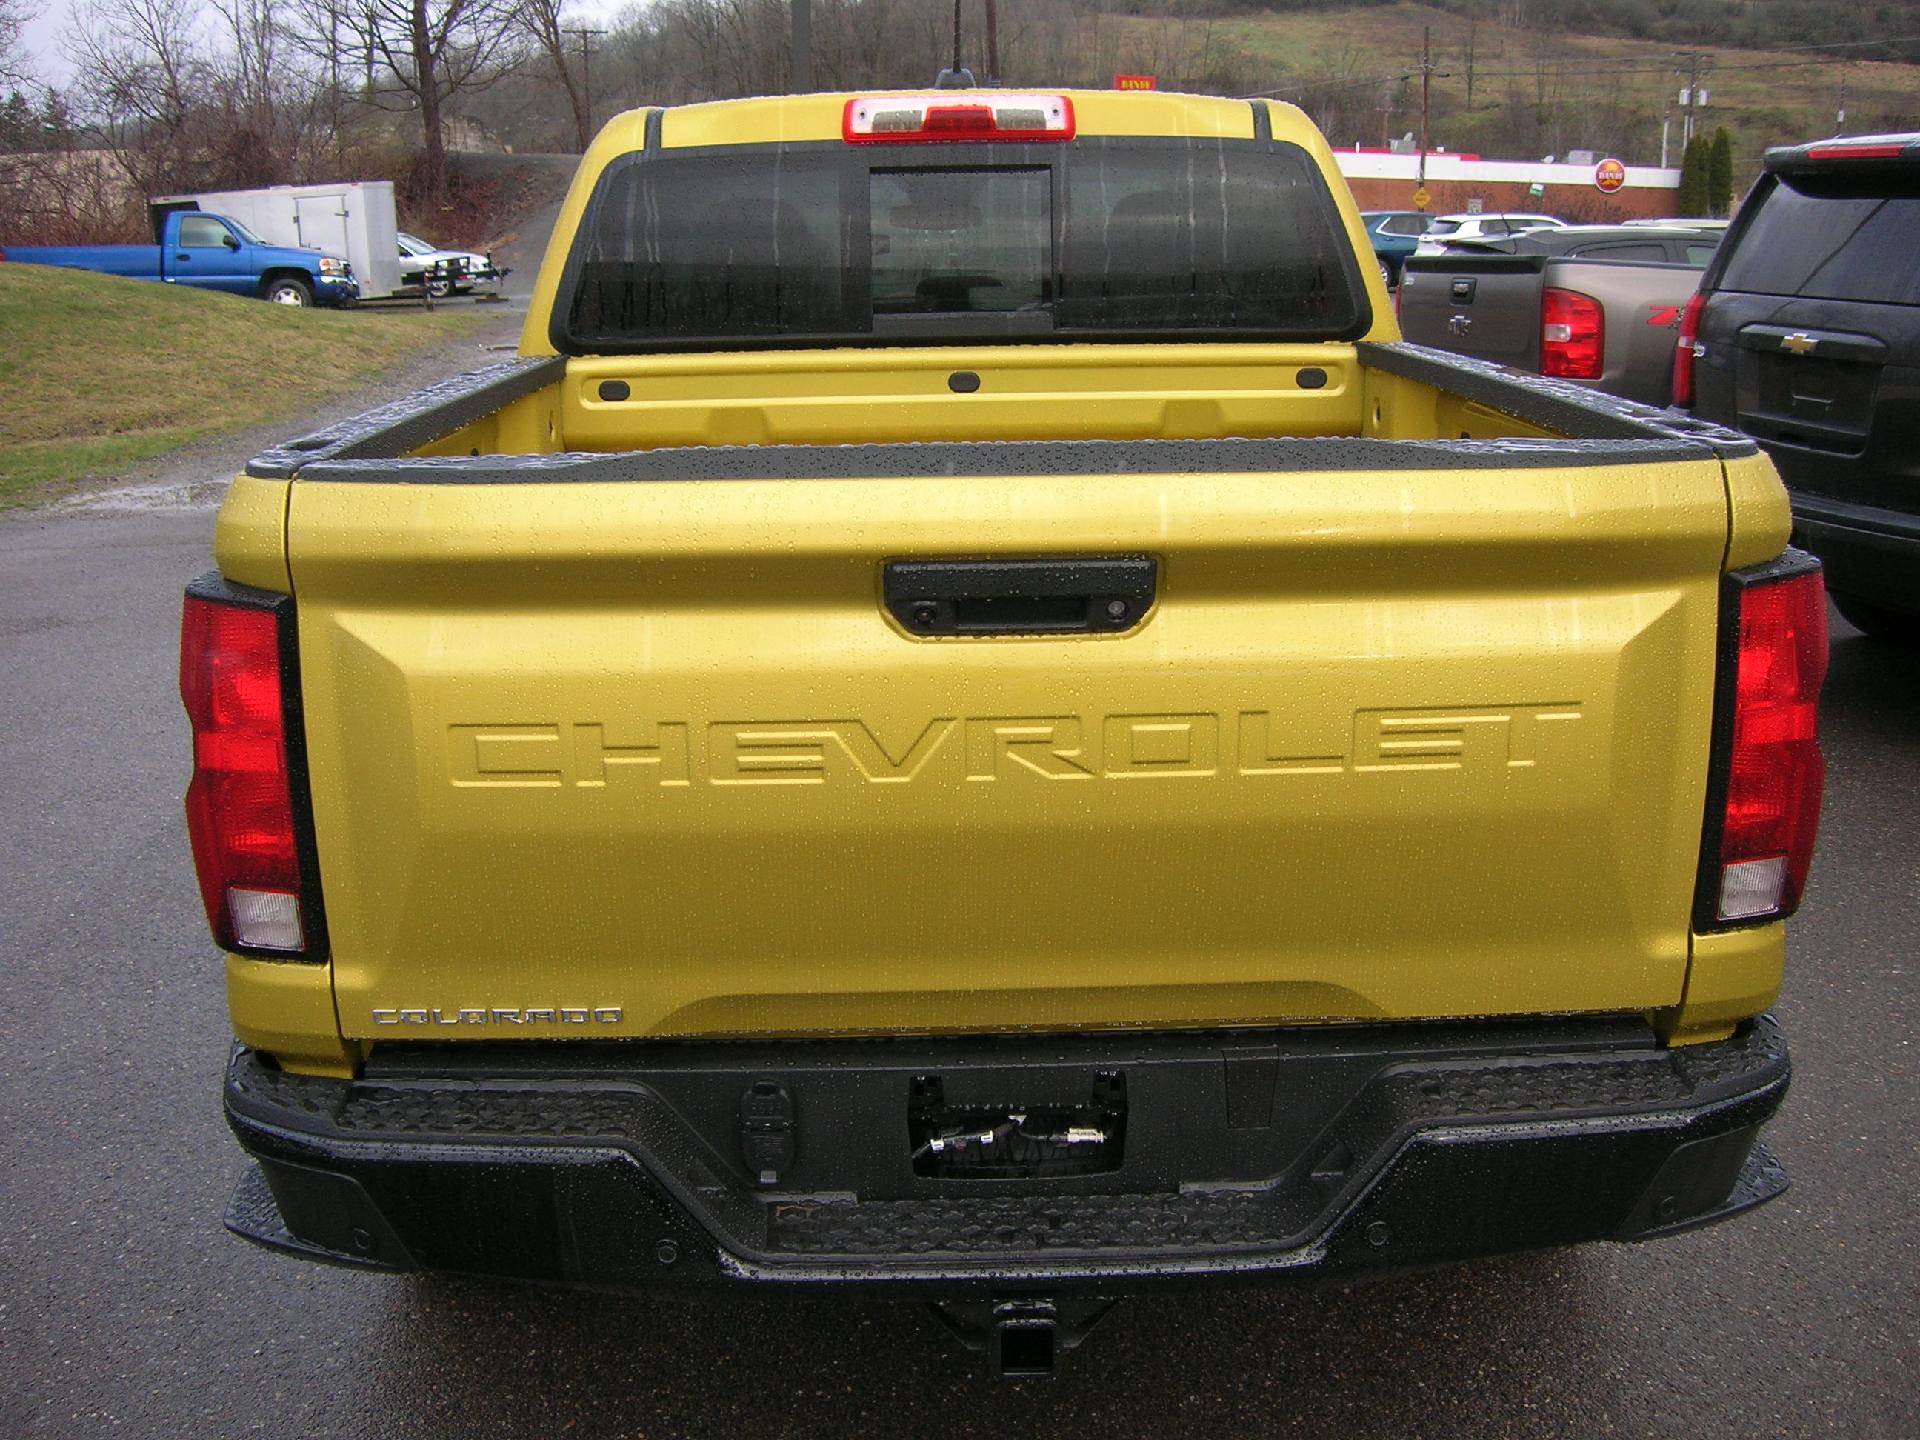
column 1426, row 92
column 1691, row 97
column 1693, row 88
column 1840, row 110
column 801, row 82
column 993, row 45
column 1473, row 23
column 587, row 37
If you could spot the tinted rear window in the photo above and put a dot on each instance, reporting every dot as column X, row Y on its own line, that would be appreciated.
column 1629, row 250
column 1099, row 239
column 1831, row 238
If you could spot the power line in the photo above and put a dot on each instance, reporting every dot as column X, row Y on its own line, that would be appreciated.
column 1319, row 85
column 1557, row 69
column 1854, row 44
column 1607, row 65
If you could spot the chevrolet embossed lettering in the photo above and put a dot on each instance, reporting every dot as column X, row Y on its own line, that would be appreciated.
column 983, row 749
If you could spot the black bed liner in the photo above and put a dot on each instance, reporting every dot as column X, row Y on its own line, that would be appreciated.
column 372, row 448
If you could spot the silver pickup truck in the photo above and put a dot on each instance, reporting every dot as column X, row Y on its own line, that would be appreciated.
column 1595, row 304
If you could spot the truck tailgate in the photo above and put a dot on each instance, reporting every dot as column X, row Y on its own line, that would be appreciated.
column 1483, row 305
column 1490, row 307
column 653, row 758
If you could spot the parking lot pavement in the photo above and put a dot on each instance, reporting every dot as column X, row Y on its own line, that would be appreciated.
column 127, row 1310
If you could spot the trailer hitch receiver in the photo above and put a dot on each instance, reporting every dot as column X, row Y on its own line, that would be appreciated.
column 1023, row 1339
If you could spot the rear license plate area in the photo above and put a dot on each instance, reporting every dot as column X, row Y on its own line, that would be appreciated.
column 1017, row 1140
column 1821, row 404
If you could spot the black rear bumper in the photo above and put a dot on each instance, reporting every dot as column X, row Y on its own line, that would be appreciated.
column 1867, row 551
column 1229, row 1154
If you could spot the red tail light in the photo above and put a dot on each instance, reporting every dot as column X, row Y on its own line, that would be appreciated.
column 1857, row 152
column 1573, row 335
column 1687, row 349
column 241, row 802
column 899, row 119
column 1769, row 810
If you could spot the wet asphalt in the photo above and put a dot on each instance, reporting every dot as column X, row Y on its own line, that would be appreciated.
column 126, row 1310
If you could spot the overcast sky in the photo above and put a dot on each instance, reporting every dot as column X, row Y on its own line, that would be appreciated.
column 46, row 32
column 43, row 43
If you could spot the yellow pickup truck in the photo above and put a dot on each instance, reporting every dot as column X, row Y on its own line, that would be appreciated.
column 967, row 722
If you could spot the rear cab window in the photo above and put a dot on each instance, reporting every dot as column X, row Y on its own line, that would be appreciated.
column 1830, row 237
column 1628, row 250
column 1112, row 238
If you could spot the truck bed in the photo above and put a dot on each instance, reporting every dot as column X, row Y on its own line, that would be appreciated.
column 132, row 262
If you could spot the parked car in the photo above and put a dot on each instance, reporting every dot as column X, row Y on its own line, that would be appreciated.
column 209, row 252
column 1394, row 234
column 1806, row 335
column 450, row 272
column 1596, row 304
column 1481, row 227
column 789, row 785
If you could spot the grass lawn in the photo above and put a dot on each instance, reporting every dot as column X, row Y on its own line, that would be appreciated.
column 98, row 373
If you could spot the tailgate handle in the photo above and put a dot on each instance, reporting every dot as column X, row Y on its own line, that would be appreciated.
column 1462, row 288
column 1063, row 595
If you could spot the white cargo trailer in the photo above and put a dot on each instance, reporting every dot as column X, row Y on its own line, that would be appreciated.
column 354, row 219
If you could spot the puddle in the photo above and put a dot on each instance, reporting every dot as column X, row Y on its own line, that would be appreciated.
column 144, row 499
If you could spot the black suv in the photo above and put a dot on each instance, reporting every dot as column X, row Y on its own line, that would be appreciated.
column 1806, row 335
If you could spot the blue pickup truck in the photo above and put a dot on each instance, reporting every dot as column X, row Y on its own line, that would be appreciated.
column 210, row 252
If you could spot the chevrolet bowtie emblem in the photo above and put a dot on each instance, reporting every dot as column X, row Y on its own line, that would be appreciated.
column 1800, row 343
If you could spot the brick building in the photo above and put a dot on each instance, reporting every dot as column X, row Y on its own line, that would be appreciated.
column 1383, row 180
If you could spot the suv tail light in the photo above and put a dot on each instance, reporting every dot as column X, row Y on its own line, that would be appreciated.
column 1573, row 335
column 246, row 805
column 1764, row 797
column 1686, row 349
column 1869, row 151
column 898, row 119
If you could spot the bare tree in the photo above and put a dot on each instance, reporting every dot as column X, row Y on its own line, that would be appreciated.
column 141, row 69
column 14, row 73
column 423, row 52
column 541, row 22
column 253, row 35
column 272, row 108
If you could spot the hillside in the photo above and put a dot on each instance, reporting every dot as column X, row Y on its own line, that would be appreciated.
column 1535, row 91
column 97, row 373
